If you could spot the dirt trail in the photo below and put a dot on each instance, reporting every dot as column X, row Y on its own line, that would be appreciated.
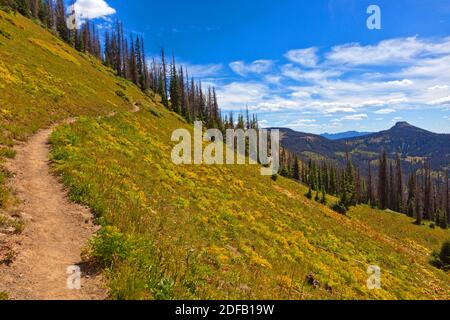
column 55, row 231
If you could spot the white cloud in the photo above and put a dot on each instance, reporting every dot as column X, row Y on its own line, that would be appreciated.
column 354, row 117
column 295, row 73
column 202, row 70
column 392, row 51
column 274, row 79
column 302, row 123
column 236, row 96
column 305, row 57
column 439, row 87
column 400, row 83
column 339, row 110
column 351, row 81
column 258, row 66
column 93, row 9
column 385, row 111
column 441, row 101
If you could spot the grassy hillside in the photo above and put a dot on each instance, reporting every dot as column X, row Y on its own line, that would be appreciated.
column 42, row 81
column 192, row 231
column 226, row 231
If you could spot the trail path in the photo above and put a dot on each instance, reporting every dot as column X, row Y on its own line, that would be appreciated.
column 55, row 231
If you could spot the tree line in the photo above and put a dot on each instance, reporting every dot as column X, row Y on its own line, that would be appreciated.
column 424, row 195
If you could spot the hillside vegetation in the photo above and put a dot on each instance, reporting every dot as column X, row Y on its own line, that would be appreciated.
column 43, row 81
column 193, row 231
column 226, row 231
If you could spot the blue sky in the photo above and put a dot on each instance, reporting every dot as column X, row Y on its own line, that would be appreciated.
column 313, row 66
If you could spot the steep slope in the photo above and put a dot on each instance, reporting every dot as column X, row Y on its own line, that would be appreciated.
column 44, row 81
column 226, row 231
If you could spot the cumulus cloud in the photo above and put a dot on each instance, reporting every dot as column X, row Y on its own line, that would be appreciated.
column 385, row 111
column 315, row 75
column 203, row 70
column 348, row 82
column 355, row 117
column 258, row 66
column 93, row 9
column 399, row 50
column 305, row 57
column 236, row 96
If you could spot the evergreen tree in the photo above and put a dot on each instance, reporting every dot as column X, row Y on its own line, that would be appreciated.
column 296, row 170
column 447, row 198
column 383, row 182
column 61, row 25
column 399, row 204
column 418, row 204
column 370, row 196
column 411, row 201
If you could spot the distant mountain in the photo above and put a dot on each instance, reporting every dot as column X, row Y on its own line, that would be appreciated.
column 412, row 143
column 344, row 135
column 309, row 145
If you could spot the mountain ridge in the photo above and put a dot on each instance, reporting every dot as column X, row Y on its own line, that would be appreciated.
column 344, row 135
column 414, row 145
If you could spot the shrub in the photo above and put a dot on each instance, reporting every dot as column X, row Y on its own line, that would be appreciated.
column 3, row 296
column 274, row 177
column 309, row 194
column 339, row 207
column 442, row 259
column 122, row 95
column 445, row 254
column 7, row 152
column 108, row 246
column 155, row 113
column 317, row 198
column 323, row 200
column 5, row 34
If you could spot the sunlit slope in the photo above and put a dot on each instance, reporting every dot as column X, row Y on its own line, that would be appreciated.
column 43, row 80
column 226, row 231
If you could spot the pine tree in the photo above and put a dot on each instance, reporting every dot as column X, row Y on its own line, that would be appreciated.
column 296, row 170
column 358, row 187
column 370, row 197
column 164, row 80
column 427, row 206
column 411, row 201
column 383, row 182
column 391, row 188
column 61, row 25
column 323, row 200
column 348, row 197
column 418, row 204
column 399, row 204
column 447, row 198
